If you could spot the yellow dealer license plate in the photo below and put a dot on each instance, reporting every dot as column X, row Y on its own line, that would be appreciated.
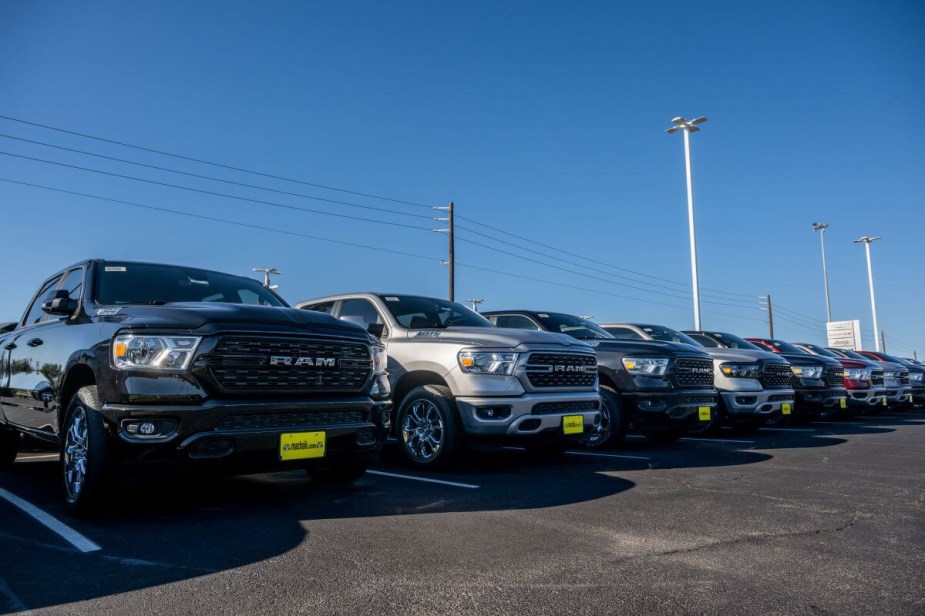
column 704, row 412
column 911, row 399
column 785, row 408
column 573, row 424
column 885, row 401
column 843, row 403
column 301, row 445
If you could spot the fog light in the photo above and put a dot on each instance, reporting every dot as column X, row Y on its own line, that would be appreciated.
column 149, row 428
column 493, row 412
column 366, row 437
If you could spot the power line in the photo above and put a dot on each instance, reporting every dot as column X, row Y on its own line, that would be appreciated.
column 210, row 163
column 215, row 179
column 221, row 220
column 213, row 193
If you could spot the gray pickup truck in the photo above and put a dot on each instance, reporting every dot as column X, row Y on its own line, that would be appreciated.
column 456, row 377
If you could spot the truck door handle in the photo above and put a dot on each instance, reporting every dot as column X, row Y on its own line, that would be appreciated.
column 35, row 342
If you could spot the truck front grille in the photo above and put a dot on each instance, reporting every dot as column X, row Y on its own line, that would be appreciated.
column 834, row 376
column 554, row 408
column 692, row 372
column 258, row 364
column 561, row 370
column 904, row 377
column 290, row 419
column 776, row 376
column 876, row 378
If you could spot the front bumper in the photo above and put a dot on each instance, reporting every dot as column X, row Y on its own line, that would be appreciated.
column 527, row 415
column 865, row 398
column 762, row 403
column 822, row 401
column 666, row 409
column 245, row 435
column 898, row 396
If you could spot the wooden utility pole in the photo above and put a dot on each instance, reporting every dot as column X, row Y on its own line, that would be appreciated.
column 882, row 341
column 767, row 300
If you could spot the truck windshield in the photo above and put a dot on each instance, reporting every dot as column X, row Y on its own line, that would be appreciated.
column 153, row 285
column 786, row 347
column 848, row 353
column 576, row 327
column 666, row 334
column 734, row 342
column 818, row 350
column 429, row 313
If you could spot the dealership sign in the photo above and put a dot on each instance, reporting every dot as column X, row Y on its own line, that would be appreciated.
column 844, row 334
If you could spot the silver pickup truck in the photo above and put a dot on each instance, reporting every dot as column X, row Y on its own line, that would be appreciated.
column 456, row 377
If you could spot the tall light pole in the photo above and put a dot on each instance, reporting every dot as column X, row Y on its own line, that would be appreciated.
column 475, row 303
column 866, row 240
column 821, row 227
column 688, row 127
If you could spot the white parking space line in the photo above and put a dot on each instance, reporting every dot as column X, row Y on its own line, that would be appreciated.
column 14, row 602
column 716, row 440
column 605, row 455
column 51, row 523
column 425, row 479
column 842, row 423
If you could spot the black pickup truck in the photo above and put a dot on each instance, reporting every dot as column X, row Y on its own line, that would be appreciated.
column 120, row 363
column 657, row 388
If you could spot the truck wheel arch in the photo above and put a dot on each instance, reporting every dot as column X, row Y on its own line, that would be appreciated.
column 79, row 375
column 417, row 378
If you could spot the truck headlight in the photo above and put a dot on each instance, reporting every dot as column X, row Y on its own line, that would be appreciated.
column 380, row 359
column 916, row 377
column 487, row 362
column 741, row 371
column 650, row 366
column 857, row 374
column 130, row 352
column 807, row 372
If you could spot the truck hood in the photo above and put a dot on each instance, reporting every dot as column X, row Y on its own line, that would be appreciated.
column 496, row 337
column 646, row 348
column 799, row 359
column 197, row 316
column 745, row 355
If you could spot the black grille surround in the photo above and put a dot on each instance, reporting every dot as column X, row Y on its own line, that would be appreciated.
column 561, row 369
column 780, row 398
column 904, row 377
column 243, row 364
column 697, row 400
column 876, row 378
column 834, row 376
column 776, row 376
column 692, row 372
column 290, row 419
column 554, row 408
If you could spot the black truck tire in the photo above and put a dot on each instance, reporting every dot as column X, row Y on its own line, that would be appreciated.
column 613, row 424
column 428, row 428
column 9, row 447
column 85, row 466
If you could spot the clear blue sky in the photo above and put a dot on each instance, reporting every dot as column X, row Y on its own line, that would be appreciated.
column 544, row 119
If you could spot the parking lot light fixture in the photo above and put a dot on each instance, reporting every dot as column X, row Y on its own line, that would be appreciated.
column 821, row 227
column 866, row 240
column 688, row 127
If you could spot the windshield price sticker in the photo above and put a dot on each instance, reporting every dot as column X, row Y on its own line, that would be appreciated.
column 391, row 299
column 113, row 268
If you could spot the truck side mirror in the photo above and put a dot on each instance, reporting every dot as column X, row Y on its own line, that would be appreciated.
column 376, row 329
column 60, row 304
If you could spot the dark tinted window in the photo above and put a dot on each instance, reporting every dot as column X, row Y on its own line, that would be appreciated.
column 576, row 327
column 359, row 311
column 73, row 283
column 815, row 349
column 35, row 313
column 514, row 321
column 324, row 307
column 623, row 333
column 704, row 340
column 427, row 313
column 784, row 347
column 142, row 283
column 852, row 354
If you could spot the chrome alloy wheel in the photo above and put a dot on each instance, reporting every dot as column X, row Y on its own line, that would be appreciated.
column 75, row 452
column 602, row 430
column 422, row 431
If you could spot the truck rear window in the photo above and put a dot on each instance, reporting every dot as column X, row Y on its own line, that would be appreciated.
column 143, row 283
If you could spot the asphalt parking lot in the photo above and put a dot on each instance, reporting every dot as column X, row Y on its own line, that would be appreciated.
column 823, row 519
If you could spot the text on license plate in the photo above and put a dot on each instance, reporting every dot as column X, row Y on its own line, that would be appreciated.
column 785, row 408
column 302, row 445
column 573, row 424
column 704, row 413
